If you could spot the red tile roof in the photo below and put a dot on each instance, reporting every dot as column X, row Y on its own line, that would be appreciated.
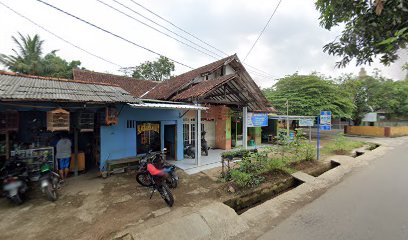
column 203, row 87
column 167, row 88
column 136, row 87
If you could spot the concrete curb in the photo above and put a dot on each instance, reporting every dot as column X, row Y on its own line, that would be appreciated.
column 218, row 221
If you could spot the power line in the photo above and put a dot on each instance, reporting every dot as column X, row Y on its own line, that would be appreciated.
column 109, row 32
column 59, row 37
column 263, row 30
column 147, row 25
column 192, row 35
column 158, row 24
column 179, row 28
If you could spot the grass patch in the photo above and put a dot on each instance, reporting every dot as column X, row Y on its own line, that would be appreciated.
column 341, row 145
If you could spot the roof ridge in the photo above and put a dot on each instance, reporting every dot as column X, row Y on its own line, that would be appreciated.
column 2, row 72
column 111, row 74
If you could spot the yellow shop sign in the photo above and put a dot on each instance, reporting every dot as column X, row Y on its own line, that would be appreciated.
column 148, row 127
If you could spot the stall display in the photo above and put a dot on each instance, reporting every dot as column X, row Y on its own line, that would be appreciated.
column 34, row 157
column 58, row 120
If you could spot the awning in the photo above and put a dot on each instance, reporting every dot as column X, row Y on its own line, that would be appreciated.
column 158, row 105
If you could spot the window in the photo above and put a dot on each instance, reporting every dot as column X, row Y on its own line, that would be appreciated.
column 147, row 137
column 189, row 131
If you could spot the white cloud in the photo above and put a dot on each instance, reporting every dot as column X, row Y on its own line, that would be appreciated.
column 292, row 42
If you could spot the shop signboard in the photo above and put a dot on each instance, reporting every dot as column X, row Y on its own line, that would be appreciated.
column 325, row 120
column 306, row 122
column 147, row 137
column 257, row 119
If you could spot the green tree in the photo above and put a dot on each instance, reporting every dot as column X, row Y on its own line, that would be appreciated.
column 28, row 59
column 357, row 93
column 158, row 70
column 371, row 28
column 55, row 66
column 308, row 95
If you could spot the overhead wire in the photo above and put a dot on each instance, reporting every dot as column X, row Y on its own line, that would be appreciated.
column 190, row 34
column 160, row 25
column 263, row 30
column 59, row 37
column 179, row 28
column 149, row 26
column 111, row 33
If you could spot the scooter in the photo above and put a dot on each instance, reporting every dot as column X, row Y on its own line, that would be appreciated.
column 49, row 182
column 15, row 179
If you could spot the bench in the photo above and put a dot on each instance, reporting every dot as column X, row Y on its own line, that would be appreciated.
column 124, row 161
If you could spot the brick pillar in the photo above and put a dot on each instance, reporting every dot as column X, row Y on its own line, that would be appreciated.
column 387, row 132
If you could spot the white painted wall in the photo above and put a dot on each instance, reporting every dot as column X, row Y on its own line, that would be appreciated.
column 209, row 128
column 229, row 70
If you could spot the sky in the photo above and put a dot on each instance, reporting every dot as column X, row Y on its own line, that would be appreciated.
column 292, row 42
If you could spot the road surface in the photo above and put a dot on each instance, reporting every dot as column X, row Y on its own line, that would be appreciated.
column 371, row 203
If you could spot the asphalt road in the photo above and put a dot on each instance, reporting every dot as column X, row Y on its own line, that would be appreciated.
column 371, row 203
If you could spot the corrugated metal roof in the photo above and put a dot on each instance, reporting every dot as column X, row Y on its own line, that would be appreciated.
column 168, row 106
column 14, row 87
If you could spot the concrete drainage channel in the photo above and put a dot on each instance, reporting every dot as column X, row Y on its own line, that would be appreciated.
column 262, row 194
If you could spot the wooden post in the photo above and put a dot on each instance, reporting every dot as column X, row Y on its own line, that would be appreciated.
column 76, row 150
column 7, row 146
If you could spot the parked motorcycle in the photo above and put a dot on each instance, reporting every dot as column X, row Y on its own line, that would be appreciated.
column 158, row 179
column 49, row 182
column 15, row 178
column 189, row 149
column 157, row 160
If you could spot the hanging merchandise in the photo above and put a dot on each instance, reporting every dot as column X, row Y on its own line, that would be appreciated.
column 58, row 120
column 85, row 121
column 111, row 116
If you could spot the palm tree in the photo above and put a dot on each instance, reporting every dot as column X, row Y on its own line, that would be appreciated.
column 27, row 58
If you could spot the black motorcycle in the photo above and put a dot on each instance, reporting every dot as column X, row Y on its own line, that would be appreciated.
column 15, row 178
column 156, row 158
column 189, row 149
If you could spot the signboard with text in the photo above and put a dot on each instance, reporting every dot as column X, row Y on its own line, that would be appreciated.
column 325, row 120
column 306, row 122
column 257, row 119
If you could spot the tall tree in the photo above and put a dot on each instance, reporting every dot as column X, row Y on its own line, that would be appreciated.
column 371, row 28
column 158, row 70
column 308, row 95
column 28, row 59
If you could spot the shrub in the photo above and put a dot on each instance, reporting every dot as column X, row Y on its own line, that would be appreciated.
column 243, row 179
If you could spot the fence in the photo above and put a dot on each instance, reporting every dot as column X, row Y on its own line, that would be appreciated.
column 376, row 131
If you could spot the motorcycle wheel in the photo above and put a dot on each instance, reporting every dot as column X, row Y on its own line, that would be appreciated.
column 51, row 193
column 166, row 195
column 206, row 152
column 172, row 182
column 192, row 155
column 143, row 179
column 17, row 199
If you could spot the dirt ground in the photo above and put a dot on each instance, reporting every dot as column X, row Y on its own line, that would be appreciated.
column 95, row 208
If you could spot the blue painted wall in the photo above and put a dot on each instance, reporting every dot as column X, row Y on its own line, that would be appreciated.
column 120, row 142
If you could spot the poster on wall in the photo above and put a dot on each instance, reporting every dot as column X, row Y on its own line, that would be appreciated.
column 257, row 119
column 147, row 137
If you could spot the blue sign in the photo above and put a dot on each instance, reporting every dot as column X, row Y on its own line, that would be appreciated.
column 257, row 119
column 325, row 120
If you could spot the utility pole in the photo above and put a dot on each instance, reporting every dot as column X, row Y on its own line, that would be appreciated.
column 287, row 118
